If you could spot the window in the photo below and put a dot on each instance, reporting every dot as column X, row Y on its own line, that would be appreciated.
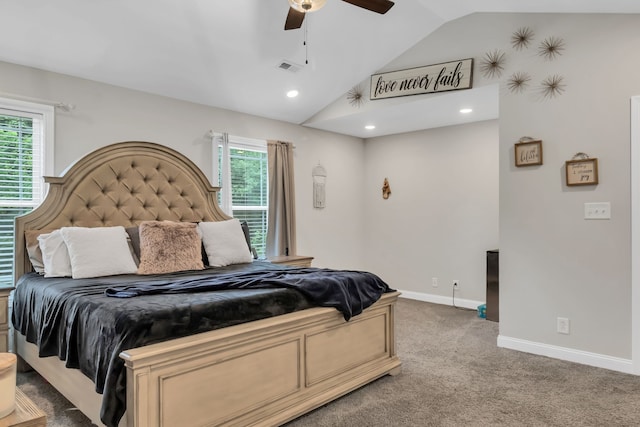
column 24, row 127
column 244, row 194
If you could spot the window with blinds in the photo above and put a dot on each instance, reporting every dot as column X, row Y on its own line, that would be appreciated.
column 247, row 185
column 21, row 171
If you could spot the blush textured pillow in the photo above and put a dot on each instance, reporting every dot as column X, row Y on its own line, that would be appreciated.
column 55, row 257
column 168, row 246
column 98, row 251
column 225, row 243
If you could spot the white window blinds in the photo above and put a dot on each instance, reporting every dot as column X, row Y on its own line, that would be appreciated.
column 244, row 192
column 22, row 135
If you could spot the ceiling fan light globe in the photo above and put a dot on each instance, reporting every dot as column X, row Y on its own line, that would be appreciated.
column 307, row 5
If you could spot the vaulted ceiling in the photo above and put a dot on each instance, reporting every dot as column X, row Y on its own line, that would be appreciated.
column 227, row 53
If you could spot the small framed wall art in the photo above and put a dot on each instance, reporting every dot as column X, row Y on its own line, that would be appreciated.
column 528, row 152
column 582, row 171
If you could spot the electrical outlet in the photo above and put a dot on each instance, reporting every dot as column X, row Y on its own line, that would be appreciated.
column 456, row 285
column 563, row 325
column 434, row 282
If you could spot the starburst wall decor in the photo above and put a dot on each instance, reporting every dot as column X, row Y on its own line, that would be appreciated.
column 521, row 38
column 354, row 96
column 492, row 64
column 518, row 82
column 552, row 86
column 551, row 47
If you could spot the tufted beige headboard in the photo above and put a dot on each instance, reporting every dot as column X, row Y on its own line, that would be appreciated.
column 121, row 184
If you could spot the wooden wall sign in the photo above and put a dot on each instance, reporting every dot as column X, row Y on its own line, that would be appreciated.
column 444, row 77
column 581, row 172
column 528, row 153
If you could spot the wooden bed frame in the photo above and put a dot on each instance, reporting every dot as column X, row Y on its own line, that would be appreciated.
column 265, row 372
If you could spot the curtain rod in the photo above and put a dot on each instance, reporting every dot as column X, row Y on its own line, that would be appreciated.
column 211, row 134
column 57, row 104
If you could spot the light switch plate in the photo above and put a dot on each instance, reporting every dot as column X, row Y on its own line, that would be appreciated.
column 600, row 210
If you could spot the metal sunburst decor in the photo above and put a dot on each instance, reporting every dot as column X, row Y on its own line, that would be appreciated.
column 551, row 47
column 354, row 96
column 521, row 38
column 518, row 81
column 492, row 64
column 552, row 86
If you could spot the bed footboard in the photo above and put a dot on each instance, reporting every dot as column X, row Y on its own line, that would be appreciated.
column 260, row 373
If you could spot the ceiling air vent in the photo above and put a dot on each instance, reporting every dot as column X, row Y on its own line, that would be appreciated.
column 289, row 66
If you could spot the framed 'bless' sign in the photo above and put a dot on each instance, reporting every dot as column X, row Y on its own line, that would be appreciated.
column 528, row 153
column 582, row 172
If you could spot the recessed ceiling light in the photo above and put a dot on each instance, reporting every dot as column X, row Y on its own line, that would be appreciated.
column 369, row 127
column 466, row 110
column 292, row 93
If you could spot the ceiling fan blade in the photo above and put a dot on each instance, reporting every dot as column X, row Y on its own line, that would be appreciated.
column 294, row 19
column 379, row 6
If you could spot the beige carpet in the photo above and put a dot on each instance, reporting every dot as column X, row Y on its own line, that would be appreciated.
column 453, row 375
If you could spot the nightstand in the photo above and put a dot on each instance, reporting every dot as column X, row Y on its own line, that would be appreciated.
column 26, row 414
column 292, row 260
column 5, row 290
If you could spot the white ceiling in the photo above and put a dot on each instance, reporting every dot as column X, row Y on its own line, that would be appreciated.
column 225, row 53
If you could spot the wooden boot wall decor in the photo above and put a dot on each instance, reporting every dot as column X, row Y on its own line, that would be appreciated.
column 386, row 189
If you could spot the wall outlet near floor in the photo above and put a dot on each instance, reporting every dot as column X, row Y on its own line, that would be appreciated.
column 456, row 284
column 434, row 282
column 563, row 325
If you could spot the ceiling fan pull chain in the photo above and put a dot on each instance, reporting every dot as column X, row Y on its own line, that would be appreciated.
column 306, row 46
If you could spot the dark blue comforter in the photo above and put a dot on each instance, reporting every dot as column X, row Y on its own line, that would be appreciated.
column 349, row 292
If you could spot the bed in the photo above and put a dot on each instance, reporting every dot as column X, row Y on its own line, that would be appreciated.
column 259, row 372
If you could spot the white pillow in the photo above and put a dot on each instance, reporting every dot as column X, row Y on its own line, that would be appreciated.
column 224, row 243
column 98, row 251
column 54, row 255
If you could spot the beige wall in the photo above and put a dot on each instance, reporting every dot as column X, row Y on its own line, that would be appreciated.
column 106, row 114
column 442, row 215
column 553, row 263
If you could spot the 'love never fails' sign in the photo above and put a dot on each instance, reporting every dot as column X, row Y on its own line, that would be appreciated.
column 444, row 77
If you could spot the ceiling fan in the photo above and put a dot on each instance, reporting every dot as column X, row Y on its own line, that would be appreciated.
column 300, row 7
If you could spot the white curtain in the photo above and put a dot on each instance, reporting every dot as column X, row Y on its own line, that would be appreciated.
column 281, row 226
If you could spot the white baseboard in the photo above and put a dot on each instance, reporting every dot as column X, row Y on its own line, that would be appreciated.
column 555, row 352
column 569, row 354
column 439, row 299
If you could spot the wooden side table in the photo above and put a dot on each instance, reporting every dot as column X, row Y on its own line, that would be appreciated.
column 4, row 317
column 26, row 414
column 292, row 260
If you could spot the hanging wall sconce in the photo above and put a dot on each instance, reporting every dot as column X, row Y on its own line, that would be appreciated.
column 319, row 174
